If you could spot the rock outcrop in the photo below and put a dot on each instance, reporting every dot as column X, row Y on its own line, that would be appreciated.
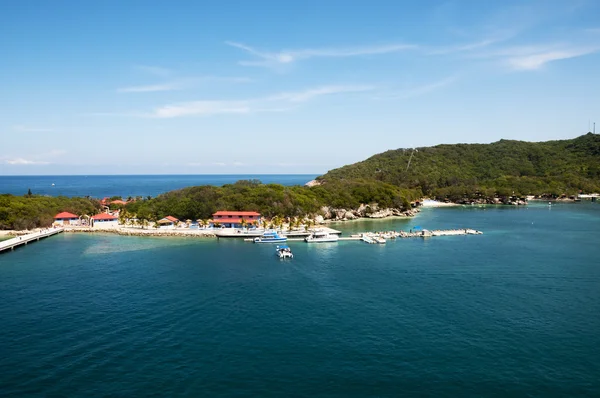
column 363, row 211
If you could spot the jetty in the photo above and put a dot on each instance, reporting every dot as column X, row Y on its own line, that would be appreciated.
column 11, row 244
column 291, row 235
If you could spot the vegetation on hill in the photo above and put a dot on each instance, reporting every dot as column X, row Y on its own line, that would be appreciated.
column 455, row 172
column 270, row 199
column 33, row 211
column 469, row 170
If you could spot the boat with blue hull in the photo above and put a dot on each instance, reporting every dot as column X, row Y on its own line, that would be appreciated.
column 270, row 237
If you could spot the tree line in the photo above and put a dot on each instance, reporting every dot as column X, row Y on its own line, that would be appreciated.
column 501, row 168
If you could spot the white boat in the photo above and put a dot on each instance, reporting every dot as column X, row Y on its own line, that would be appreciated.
column 270, row 237
column 367, row 239
column 379, row 239
column 320, row 236
column 284, row 252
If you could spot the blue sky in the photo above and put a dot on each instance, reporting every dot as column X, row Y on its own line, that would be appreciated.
column 143, row 87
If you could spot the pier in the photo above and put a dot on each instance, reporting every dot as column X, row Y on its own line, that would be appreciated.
column 291, row 235
column 11, row 244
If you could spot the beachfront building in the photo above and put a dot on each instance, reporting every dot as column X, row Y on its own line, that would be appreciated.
column 235, row 219
column 66, row 218
column 168, row 222
column 103, row 220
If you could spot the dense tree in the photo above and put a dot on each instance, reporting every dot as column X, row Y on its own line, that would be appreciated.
column 500, row 168
column 26, row 212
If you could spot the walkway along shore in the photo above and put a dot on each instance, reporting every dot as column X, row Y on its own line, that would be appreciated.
column 11, row 244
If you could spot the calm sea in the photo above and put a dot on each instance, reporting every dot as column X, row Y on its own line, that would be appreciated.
column 99, row 186
column 513, row 312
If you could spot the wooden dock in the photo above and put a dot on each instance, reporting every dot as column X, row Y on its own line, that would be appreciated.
column 11, row 244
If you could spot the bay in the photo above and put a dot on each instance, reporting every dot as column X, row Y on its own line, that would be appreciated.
column 512, row 312
column 99, row 186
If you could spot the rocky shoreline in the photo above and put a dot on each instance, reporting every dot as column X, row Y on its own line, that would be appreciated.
column 364, row 211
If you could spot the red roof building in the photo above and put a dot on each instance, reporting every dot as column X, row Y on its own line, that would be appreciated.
column 104, row 217
column 249, row 214
column 118, row 202
column 65, row 215
column 233, row 219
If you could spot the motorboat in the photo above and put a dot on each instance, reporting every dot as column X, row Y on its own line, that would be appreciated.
column 270, row 237
column 284, row 252
column 379, row 239
column 367, row 239
column 320, row 236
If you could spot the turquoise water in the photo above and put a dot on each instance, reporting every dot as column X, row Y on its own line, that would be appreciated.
column 513, row 312
column 99, row 186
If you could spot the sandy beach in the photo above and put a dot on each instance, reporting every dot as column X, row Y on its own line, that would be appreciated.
column 435, row 203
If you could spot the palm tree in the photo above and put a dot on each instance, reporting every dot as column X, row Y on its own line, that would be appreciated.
column 131, row 220
column 123, row 216
column 244, row 223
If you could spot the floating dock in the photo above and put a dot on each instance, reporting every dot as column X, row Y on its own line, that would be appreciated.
column 11, row 244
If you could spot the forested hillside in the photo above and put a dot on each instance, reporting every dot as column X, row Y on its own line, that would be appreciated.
column 271, row 199
column 32, row 211
column 451, row 171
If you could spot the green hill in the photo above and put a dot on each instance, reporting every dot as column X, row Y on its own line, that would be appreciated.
column 499, row 168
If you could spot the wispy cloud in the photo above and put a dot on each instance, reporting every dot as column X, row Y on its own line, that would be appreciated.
column 271, row 103
column 463, row 47
column 538, row 60
column 289, row 56
column 150, row 88
column 181, row 84
column 21, row 162
column 420, row 90
column 27, row 129
column 306, row 95
column 37, row 159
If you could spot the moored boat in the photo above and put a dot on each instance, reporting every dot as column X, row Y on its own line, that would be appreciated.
column 320, row 236
column 270, row 237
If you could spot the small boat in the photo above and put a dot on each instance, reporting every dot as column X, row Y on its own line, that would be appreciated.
column 320, row 236
column 379, row 239
column 284, row 252
column 367, row 239
column 270, row 237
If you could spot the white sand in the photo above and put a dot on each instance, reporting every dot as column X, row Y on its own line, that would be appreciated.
column 435, row 203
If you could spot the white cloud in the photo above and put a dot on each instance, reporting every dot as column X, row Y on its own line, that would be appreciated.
column 307, row 95
column 21, row 161
column 150, row 88
column 221, row 164
column 267, row 104
column 238, row 163
column 420, row 90
column 290, row 56
column 27, row 129
column 463, row 48
column 202, row 108
column 181, row 84
column 538, row 60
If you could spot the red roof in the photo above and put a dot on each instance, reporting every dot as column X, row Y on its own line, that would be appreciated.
column 171, row 218
column 104, row 216
column 236, row 213
column 118, row 202
column 65, row 214
column 231, row 220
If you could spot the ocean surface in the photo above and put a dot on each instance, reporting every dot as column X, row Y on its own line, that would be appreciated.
column 98, row 186
column 511, row 313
